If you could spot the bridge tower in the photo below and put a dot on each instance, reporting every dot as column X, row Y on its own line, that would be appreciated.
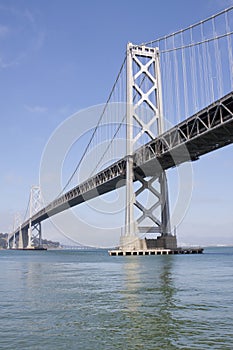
column 144, row 122
column 17, row 224
column 34, row 230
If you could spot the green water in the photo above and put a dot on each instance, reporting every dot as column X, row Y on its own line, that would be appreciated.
column 88, row 300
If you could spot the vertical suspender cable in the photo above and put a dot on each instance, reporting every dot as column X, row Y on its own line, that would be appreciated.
column 229, row 45
column 206, row 76
column 210, row 72
column 176, row 83
column 219, row 82
column 169, row 102
column 201, row 91
column 193, row 71
column 184, row 70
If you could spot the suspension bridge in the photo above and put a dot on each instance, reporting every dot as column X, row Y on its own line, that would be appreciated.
column 172, row 102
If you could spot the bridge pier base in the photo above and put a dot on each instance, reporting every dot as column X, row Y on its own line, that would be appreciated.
column 134, row 243
column 14, row 242
column 20, row 243
column 164, row 242
column 29, row 245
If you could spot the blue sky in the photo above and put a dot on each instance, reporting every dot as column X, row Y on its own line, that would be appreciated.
column 57, row 57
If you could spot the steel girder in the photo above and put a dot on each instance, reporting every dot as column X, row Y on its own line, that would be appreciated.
column 144, row 120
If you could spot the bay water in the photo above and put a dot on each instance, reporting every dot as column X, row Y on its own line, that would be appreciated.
column 75, row 299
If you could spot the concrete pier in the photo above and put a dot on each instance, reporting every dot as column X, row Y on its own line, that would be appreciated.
column 32, row 248
column 118, row 252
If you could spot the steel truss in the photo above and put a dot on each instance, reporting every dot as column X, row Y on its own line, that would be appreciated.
column 34, row 229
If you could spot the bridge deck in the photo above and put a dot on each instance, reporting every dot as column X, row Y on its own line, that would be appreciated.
column 206, row 131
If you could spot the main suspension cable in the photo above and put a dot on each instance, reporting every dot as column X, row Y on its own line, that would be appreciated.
column 95, row 129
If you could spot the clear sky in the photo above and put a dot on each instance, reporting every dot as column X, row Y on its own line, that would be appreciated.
column 57, row 57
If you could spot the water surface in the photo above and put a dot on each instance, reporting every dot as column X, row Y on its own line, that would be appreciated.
column 88, row 300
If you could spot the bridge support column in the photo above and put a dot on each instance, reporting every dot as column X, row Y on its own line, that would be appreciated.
column 38, row 233
column 29, row 246
column 159, row 204
column 20, row 244
column 14, row 243
column 34, row 235
column 144, row 122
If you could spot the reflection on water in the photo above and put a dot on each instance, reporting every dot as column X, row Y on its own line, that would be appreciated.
column 150, row 297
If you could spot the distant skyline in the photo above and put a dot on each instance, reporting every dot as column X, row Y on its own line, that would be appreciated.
column 59, row 57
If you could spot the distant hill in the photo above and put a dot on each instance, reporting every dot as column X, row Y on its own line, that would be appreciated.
column 46, row 243
column 50, row 244
column 3, row 240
